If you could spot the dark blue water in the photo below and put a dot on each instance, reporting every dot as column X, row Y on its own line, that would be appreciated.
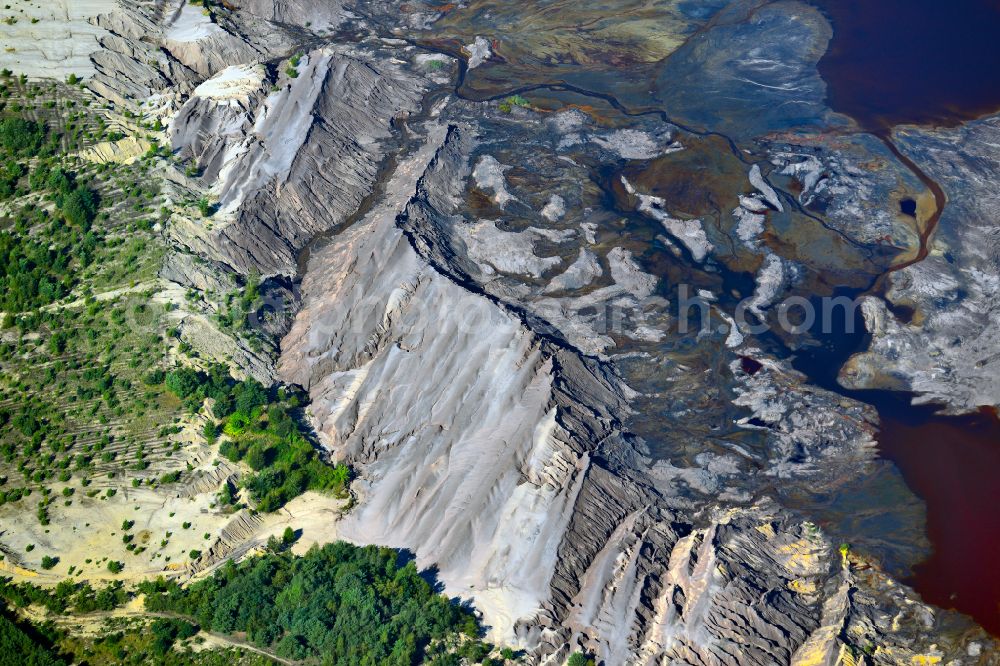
column 912, row 61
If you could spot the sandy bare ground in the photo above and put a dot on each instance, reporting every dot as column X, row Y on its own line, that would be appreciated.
column 168, row 522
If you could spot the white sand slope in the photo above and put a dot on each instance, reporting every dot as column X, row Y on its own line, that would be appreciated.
column 59, row 41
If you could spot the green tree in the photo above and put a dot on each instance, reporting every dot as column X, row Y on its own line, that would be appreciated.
column 79, row 207
column 57, row 342
column 256, row 457
column 205, row 207
column 17, row 647
column 20, row 136
column 210, row 431
column 340, row 603
column 579, row 659
column 183, row 382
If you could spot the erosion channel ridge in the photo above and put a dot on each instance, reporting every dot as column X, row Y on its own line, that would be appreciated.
column 478, row 292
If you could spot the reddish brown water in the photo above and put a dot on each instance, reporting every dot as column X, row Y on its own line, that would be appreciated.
column 953, row 464
column 912, row 61
column 928, row 62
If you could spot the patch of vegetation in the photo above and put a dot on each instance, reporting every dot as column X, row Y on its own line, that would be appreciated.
column 167, row 631
column 161, row 642
column 68, row 595
column 18, row 648
column 205, row 207
column 36, row 272
column 261, row 430
column 20, row 137
column 349, row 605
column 239, row 305
column 44, row 250
column 69, row 403
column 507, row 105
column 293, row 66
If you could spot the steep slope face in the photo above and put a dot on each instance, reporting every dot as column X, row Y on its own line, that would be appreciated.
column 446, row 400
column 318, row 15
column 468, row 427
column 192, row 37
column 155, row 53
column 288, row 164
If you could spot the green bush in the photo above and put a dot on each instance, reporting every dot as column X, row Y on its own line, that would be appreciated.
column 166, row 632
column 205, row 207
column 38, row 271
column 210, row 432
column 80, row 207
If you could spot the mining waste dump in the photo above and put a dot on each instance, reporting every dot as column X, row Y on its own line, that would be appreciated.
column 634, row 332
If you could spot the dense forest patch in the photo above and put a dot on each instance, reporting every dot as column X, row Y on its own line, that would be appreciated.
column 339, row 604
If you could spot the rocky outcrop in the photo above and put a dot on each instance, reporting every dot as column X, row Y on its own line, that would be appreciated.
column 149, row 54
column 234, row 539
column 150, row 49
column 193, row 272
column 192, row 36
